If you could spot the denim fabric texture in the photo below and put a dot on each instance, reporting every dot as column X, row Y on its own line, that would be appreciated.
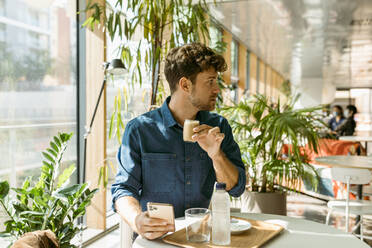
column 156, row 165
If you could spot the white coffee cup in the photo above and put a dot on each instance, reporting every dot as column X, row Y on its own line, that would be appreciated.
column 188, row 127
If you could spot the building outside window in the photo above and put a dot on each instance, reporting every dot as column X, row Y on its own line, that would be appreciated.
column 34, row 17
column 2, row 7
column 37, row 85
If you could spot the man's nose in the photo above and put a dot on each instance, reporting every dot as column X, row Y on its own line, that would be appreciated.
column 216, row 89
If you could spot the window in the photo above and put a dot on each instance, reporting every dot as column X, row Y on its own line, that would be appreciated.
column 135, row 101
column 247, row 81
column 37, row 92
column 2, row 32
column 34, row 17
column 265, row 80
column 33, row 40
column 2, row 7
column 215, row 37
column 258, row 75
column 234, row 60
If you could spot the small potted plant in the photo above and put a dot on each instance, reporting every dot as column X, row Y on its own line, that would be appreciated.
column 261, row 129
column 49, row 203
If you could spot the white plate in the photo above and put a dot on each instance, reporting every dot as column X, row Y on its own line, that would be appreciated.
column 238, row 226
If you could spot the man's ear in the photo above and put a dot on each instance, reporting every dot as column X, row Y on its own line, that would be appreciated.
column 185, row 84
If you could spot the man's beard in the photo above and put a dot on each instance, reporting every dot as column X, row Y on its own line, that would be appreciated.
column 197, row 103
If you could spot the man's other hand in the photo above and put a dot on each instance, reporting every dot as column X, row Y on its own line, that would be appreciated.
column 152, row 228
column 209, row 138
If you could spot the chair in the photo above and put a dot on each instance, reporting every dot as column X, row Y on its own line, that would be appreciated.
column 126, row 234
column 357, row 207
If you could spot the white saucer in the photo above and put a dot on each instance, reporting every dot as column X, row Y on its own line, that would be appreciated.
column 238, row 226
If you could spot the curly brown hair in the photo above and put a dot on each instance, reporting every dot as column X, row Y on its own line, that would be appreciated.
column 189, row 60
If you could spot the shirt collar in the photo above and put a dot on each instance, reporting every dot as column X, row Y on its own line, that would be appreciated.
column 168, row 119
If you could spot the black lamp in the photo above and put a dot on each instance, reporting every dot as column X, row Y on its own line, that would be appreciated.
column 115, row 67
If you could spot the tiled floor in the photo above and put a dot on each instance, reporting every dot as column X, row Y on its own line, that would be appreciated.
column 298, row 206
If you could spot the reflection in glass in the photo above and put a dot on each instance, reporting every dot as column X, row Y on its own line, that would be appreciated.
column 37, row 83
column 234, row 59
column 135, row 100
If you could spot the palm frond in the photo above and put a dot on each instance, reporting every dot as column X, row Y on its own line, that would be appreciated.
column 262, row 128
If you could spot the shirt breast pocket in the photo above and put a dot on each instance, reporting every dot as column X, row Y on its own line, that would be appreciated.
column 159, row 172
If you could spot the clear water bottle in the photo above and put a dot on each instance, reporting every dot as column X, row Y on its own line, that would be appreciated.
column 220, row 216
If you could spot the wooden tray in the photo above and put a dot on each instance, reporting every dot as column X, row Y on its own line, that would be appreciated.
column 260, row 233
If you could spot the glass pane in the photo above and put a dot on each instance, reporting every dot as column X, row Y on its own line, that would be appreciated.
column 258, row 76
column 215, row 36
column 248, row 76
column 37, row 83
column 234, row 59
column 135, row 101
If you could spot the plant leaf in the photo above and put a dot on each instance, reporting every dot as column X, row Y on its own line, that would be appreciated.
column 4, row 189
column 65, row 176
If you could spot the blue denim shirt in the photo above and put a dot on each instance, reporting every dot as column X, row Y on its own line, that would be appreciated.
column 156, row 165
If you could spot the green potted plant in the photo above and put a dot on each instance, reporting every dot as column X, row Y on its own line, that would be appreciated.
column 50, row 203
column 261, row 130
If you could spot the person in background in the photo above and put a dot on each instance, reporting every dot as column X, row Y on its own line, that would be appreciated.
column 326, row 113
column 337, row 118
column 347, row 127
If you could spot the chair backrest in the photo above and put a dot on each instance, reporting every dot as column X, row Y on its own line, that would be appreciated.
column 126, row 234
column 357, row 176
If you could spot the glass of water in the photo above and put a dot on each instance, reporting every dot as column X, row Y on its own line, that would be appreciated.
column 198, row 225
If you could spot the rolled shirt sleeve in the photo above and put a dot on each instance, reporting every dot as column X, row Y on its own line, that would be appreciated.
column 232, row 152
column 128, row 181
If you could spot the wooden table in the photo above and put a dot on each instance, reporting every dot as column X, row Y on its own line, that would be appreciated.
column 298, row 233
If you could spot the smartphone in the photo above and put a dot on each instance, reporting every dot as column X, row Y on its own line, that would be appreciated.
column 161, row 211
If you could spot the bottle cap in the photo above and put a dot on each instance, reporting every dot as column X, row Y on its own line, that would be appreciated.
column 220, row 185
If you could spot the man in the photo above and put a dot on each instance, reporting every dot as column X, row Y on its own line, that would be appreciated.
column 156, row 165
